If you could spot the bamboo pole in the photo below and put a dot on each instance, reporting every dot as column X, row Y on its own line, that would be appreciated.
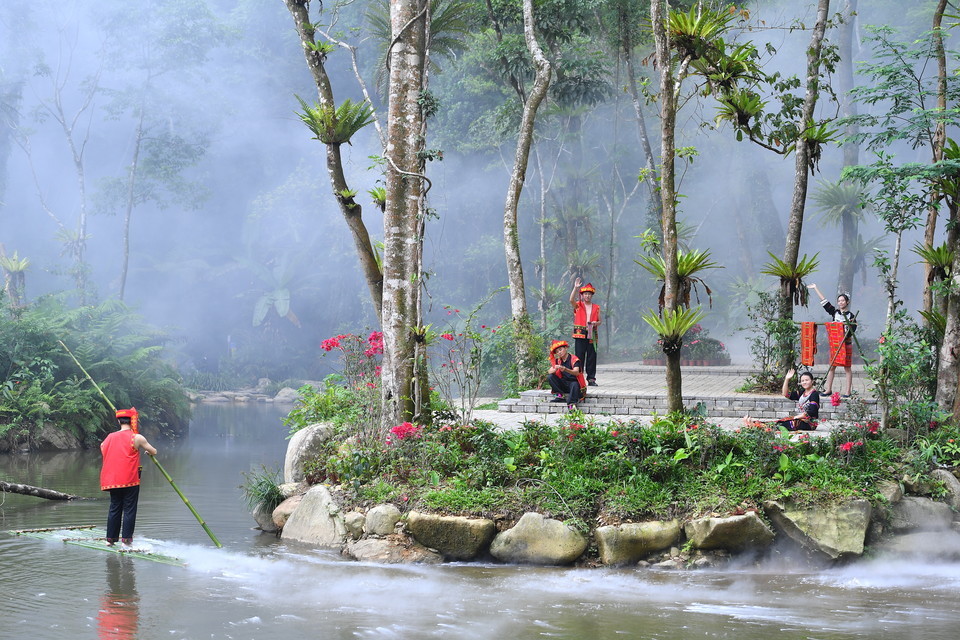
column 154, row 458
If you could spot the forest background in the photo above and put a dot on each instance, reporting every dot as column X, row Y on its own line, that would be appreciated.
column 230, row 238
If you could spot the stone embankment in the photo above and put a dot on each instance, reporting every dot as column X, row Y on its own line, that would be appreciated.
column 905, row 525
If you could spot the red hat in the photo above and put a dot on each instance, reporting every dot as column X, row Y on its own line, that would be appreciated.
column 133, row 415
column 587, row 288
column 557, row 344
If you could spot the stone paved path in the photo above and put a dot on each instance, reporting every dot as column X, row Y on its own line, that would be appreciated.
column 714, row 382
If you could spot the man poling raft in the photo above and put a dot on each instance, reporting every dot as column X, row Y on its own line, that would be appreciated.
column 152, row 457
column 120, row 475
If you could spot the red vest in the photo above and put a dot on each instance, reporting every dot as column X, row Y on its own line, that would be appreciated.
column 121, row 461
column 580, row 319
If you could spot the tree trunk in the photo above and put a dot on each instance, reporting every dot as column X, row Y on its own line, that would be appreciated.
column 791, row 251
column 668, row 204
column 948, row 373
column 528, row 357
column 131, row 199
column 36, row 492
column 851, row 150
column 401, row 220
column 351, row 210
column 937, row 144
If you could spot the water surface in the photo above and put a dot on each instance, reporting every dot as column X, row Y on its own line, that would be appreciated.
column 259, row 587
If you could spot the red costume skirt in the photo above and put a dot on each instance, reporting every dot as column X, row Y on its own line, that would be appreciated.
column 841, row 351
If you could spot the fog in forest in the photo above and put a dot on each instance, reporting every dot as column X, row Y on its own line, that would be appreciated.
column 236, row 204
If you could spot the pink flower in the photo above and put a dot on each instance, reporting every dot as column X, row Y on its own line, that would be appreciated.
column 331, row 343
column 406, row 430
column 846, row 446
column 446, row 336
column 614, row 433
column 835, row 399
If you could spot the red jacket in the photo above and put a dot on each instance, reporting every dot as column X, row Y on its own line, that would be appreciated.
column 121, row 461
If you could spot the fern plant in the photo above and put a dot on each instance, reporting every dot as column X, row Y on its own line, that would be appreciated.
column 939, row 259
column 689, row 263
column 671, row 326
column 335, row 126
column 793, row 277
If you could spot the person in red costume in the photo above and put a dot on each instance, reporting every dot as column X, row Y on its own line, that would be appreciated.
column 120, row 475
column 566, row 379
column 586, row 319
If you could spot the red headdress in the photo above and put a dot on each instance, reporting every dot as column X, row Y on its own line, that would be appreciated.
column 556, row 344
column 133, row 415
column 587, row 288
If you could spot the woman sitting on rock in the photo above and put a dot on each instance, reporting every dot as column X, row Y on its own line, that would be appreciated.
column 808, row 404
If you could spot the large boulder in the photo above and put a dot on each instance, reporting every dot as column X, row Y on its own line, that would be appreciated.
column 628, row 543
column 951, row 484
column 264, row 518
column 733, row 533
column 835, row 533
column 391, row 550
column 381, row 520
column 52, row 438
column 304, row 445
column 317, row 520
column 913, row 513
column 286, row 396
column 285, row 509
column 538, row 540
column 354, row 521
column 455, row 537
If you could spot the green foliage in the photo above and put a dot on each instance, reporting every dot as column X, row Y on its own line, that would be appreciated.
column 672, row 325
column 261, row 489
column 793, row 276
column 678, row 466
column 40, row 383
column 335, row 126
column 905, row 373
column 689, row 263
column 335, row 403
column 767, row 334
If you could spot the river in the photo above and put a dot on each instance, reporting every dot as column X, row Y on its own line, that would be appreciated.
column 260, row 587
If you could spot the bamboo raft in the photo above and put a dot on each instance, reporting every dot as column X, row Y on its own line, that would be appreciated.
column 91, row 537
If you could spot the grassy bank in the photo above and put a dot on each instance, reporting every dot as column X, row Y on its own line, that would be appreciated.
column 592, row 472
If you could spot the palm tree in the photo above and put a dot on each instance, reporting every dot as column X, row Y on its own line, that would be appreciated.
column 841, row 204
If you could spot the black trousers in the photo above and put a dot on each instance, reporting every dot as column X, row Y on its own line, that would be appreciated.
column 123, row 509
column 567, row 386
column 586, row 353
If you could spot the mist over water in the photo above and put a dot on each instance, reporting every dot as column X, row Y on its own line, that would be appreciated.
column 258, row 586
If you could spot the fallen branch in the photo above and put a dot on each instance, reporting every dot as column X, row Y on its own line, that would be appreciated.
column 37, row 492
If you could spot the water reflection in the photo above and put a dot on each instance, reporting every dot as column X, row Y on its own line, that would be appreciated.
column 119, row 614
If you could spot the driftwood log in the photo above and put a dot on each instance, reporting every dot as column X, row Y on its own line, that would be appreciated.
column 37, row 492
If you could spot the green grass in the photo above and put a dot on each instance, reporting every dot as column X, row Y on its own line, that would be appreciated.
column 679, row 466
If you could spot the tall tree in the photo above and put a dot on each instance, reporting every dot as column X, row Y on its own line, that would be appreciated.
column 659, row 15
column 528, row 355
column 849, row 219
column 334, row 126
column 405, row 193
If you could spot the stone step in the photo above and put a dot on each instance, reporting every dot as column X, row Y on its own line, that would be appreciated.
column 757, row 406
